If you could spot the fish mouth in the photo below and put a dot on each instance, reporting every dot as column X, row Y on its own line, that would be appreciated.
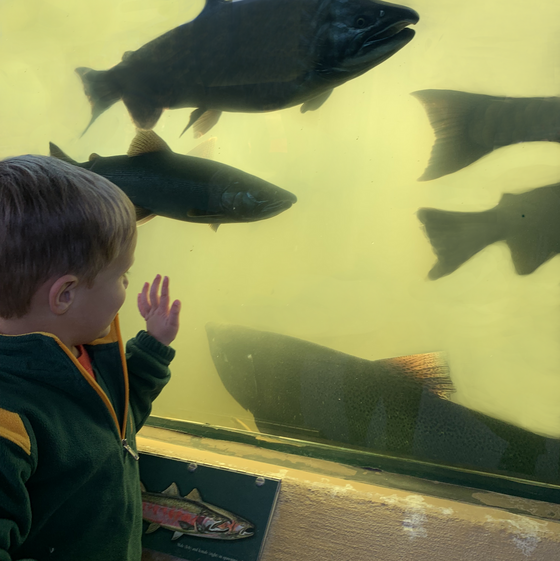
column 374, row 48
column 272, row 209
column 378, row 49
column 249, row 207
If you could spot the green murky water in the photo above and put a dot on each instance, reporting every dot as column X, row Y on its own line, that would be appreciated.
column 346, row 267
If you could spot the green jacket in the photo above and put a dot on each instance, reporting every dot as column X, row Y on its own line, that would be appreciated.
column 69, row 484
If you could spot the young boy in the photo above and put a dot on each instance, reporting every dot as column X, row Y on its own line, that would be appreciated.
column 69, row 485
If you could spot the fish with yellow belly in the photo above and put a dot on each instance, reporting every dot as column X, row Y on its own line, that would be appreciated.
column 191, row 516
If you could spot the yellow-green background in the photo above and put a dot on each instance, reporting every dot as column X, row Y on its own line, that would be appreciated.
column 347, row 266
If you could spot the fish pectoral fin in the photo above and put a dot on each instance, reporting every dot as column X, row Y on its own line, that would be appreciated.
column 143, row 215
column 205, row 119
column 57, row 153
column 195, row 115
column 205, row 122
column 145, row 142
column 194, row 495
column 214, row 227
column 176, row 535
column 205, row 149
column 315, row 102
column 172, row 491
column 142, row 487
column 152, row 528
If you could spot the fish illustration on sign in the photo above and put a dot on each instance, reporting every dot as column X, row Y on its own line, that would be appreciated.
column 528, row 222
column 399, row 406
column 193, row 189
column 191, row 516
column 468, row 126
column 251, row 56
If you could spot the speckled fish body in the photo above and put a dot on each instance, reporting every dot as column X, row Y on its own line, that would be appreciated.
column 399, row 406
column 252, row 56
column 528, row 222
column 163, row 183
column 192, row 516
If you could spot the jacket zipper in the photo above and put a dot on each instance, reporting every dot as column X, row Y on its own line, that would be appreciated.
column 121, row 430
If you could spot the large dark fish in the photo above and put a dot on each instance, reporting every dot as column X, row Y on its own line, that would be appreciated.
column 395, row 406
column 161, row 182
column 191, row 516
column 468, row 126
column 528, row 222
column 251, row 56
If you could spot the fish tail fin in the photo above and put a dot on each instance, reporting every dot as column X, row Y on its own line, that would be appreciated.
column 457, row 236
column 100, row 89
column 431, row 369
column 452, row 115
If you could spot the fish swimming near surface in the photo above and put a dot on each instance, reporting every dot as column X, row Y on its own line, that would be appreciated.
column 161, row 182
column 528, row 222
column 468, row 126
column 251, row 56
column 191, row 516
column 398, row 406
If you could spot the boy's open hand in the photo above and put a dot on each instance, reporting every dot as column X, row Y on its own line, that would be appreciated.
column 162, row 322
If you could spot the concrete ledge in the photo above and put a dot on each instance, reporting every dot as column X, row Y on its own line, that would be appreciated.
column 327, row 511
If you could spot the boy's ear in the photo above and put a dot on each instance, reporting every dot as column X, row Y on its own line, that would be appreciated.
column 62, row 294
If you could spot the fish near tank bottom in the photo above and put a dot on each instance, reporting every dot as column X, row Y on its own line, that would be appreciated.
column 371, row 514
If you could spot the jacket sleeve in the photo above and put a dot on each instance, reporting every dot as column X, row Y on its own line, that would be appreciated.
column 148, row 369
column 17, row 464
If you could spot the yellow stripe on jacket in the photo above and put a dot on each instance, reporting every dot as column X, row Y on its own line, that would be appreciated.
column 13, row 429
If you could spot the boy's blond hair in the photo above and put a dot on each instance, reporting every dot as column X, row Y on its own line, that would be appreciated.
column 56, row 219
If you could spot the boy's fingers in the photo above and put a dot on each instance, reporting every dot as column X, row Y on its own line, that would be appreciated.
column 154, row 297
column 174, row 313
column 143, row 302
column 164, row 300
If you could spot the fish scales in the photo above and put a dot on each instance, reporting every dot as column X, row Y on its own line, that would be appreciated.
column 400, row 406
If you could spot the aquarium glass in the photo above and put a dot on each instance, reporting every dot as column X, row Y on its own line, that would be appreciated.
column 347, row 268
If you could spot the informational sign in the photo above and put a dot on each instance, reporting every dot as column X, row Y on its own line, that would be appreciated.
column 202, row 513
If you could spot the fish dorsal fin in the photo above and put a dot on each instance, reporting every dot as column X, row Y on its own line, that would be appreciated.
column 194, row 495
column 429, row 369
column 172, row 491
column 127, row 55
column 214, row 227
column 205, row 149
column 57, row 153
column 145, row 142
column 93, row 156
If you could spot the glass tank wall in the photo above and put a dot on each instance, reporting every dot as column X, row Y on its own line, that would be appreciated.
column 453, row 277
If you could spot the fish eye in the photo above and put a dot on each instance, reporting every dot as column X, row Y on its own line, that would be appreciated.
column 360, row 22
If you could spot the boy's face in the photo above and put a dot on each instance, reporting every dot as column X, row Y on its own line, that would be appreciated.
column 95, row 308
